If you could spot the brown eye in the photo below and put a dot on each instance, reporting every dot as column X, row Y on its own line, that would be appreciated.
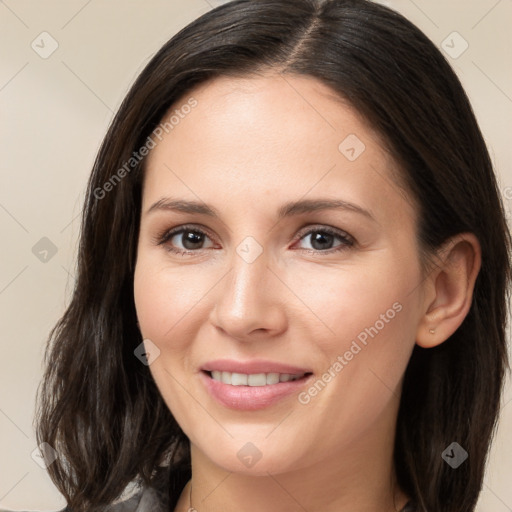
column 324, row 239
column 183, row 240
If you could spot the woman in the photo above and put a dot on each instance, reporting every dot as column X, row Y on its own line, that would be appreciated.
column 209, row 355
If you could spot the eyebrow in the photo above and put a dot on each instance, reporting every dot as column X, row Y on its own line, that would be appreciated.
column 287, row 210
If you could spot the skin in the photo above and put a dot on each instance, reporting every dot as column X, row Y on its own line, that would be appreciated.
column 249, row 146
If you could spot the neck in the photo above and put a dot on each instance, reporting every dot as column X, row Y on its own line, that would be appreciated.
column 356, row 478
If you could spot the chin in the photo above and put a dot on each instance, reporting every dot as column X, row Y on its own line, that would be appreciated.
column 254, row 458
column 262, row 467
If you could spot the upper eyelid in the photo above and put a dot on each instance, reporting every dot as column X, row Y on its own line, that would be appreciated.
column 188, row 227
column 321, row 227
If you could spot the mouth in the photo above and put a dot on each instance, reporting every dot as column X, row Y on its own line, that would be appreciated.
column 253, row 379
column 253, row 391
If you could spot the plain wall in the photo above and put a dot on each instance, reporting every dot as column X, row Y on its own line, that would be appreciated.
column 54, row 114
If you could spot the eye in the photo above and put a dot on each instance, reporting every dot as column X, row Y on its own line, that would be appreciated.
column 322, row 239
column 191, row 239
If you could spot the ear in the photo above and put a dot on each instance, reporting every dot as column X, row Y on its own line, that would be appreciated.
column 449, row 289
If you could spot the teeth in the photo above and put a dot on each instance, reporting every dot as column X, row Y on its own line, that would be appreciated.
column 254, row 379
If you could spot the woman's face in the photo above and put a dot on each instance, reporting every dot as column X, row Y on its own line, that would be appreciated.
column 265, row 276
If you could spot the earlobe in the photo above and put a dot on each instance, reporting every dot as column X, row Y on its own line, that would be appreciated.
column 451, row 284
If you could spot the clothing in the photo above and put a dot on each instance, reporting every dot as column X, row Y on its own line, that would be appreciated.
column 150, row 500
column 145, row 501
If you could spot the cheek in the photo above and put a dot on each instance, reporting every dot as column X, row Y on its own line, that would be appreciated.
column 165, row 300
column 378, row 289
column 371, row 311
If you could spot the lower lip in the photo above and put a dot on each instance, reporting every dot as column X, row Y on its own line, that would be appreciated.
column 251, row 398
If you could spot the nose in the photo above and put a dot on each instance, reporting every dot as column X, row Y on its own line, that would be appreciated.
column 249, row 304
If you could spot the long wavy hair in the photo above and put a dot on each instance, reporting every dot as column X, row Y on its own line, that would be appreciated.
column 99, row 406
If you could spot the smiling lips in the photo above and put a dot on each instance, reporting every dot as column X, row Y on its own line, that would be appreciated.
column 252, row 385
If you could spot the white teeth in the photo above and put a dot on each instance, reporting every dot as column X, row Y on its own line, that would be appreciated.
column 254, row 379
column 272, row 378
column 257, row 379
column 238, row 379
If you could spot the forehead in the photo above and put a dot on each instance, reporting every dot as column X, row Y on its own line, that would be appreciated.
column 254, row 136
column 261, row 105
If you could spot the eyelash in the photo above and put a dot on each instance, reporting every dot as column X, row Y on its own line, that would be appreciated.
column 163, row 237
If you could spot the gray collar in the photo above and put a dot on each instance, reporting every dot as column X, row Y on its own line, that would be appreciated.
column 150, row 502
column 146, row 500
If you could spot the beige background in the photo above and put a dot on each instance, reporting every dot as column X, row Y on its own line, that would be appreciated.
column 54, row 114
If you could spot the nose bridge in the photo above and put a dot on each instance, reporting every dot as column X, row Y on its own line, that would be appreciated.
column 249, row 273
column 247, row 300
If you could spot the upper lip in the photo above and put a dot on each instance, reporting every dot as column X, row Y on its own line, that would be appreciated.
column 252, row 367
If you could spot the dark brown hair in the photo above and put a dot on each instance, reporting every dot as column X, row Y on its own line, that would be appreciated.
column 99, row 406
